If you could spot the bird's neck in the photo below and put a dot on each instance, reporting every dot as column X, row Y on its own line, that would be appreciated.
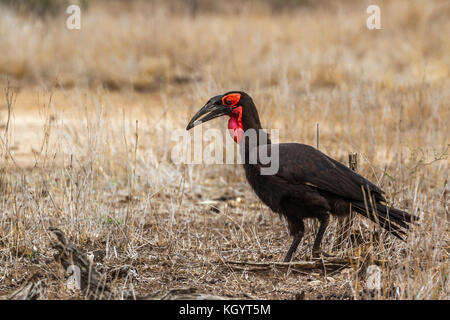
column 250, row 121
column 254, row 136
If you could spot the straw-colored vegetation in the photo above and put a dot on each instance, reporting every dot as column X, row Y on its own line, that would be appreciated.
column 86, row 142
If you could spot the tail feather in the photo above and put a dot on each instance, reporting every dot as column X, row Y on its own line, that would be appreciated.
column 393, row 220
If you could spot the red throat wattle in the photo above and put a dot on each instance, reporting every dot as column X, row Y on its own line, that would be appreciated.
column 235, row 126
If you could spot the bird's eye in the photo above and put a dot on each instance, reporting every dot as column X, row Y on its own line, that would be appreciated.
column 231, row 99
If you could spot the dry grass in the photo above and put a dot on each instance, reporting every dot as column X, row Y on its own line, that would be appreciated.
column 73, row 156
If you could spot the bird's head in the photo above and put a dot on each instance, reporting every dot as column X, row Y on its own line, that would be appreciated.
column 235, row 104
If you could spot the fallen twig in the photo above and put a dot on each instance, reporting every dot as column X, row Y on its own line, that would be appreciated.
column 328, row 264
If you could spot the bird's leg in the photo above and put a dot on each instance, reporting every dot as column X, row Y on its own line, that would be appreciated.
column 316, row 251
column 292, row 248
column 297, row 232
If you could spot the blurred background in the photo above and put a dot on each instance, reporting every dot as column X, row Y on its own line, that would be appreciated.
column 146, row 45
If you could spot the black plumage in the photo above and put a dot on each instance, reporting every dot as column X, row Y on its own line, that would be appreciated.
column 308, row 184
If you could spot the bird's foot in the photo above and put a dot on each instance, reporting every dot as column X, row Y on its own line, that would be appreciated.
column 317, row 254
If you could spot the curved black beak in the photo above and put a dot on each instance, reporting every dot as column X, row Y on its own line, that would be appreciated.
column 213, row 109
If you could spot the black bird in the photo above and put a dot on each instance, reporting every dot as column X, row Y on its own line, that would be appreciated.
column 308, row 183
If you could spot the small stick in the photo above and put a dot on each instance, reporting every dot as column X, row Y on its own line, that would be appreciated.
column 319, row 264
column 345, row 225
column 317, row 136
column 136, row 136
column 353, row 161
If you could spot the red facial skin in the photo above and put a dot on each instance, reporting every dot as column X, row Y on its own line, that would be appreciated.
column 235, row 126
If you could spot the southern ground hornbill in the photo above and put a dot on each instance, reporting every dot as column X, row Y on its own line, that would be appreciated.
column 308, row 183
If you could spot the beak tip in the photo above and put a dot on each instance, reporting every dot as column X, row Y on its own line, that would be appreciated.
column 191, row 125
column 194, row 123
